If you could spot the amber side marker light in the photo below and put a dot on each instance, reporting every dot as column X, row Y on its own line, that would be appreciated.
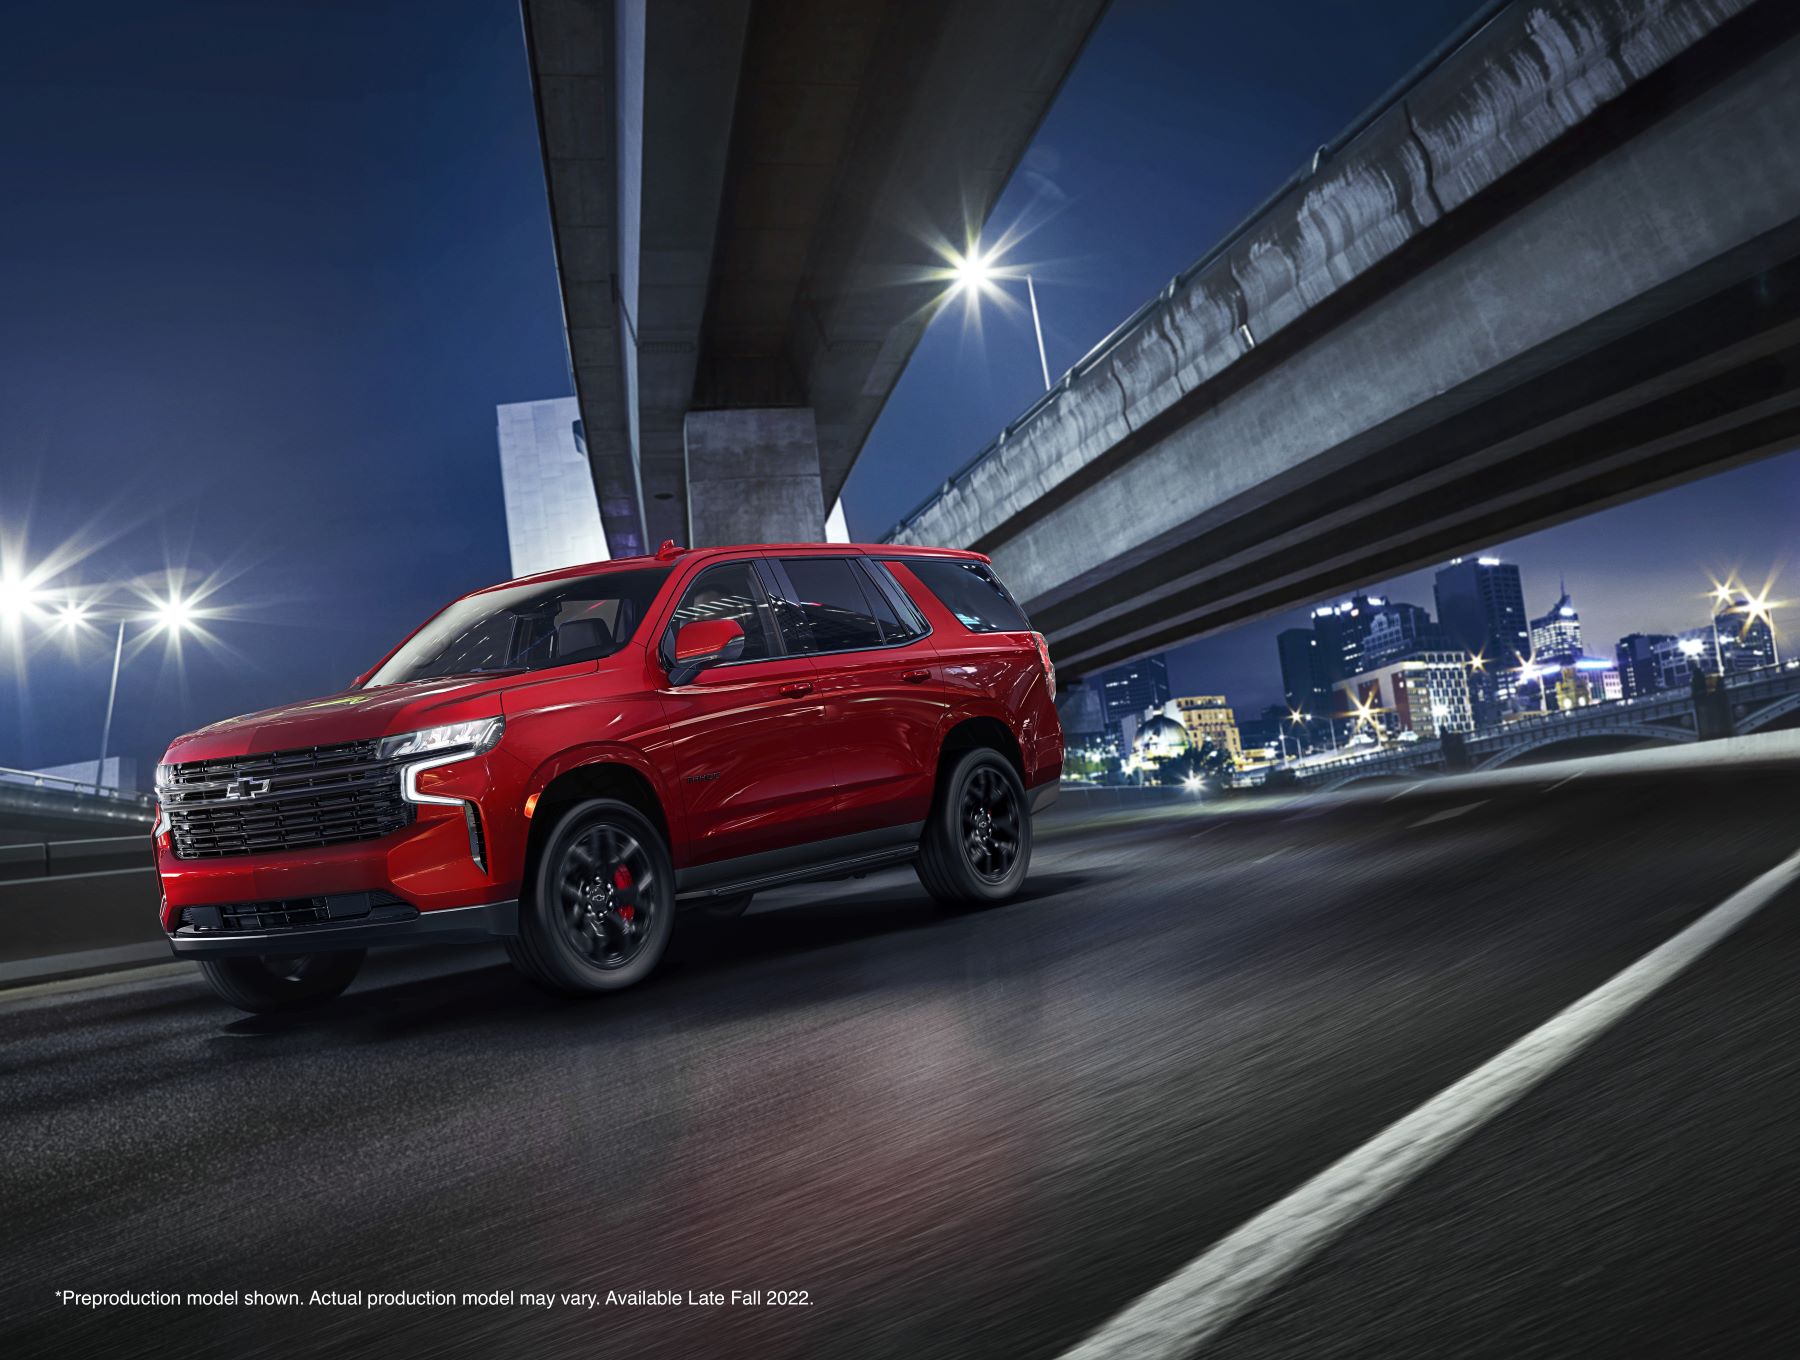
column 531, row 805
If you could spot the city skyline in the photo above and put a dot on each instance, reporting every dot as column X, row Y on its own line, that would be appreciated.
column 1618, row 585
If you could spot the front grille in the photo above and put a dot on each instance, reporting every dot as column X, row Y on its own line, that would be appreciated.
column 282, row 800
column 297, row 911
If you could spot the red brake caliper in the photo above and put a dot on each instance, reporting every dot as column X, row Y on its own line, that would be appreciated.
column 622, row 881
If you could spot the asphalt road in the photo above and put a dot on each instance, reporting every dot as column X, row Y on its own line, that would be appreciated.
column 976, row 1135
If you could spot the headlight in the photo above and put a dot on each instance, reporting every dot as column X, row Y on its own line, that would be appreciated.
column 165, row 775
column 467, row 738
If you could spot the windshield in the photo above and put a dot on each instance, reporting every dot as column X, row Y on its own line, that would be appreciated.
column 525, row 628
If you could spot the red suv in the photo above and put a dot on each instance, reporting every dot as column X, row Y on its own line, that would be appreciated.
column 562, row 761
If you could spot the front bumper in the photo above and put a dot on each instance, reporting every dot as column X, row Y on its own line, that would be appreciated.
column 452, row 925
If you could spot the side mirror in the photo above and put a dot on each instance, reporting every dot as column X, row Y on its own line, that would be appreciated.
column 703, row 643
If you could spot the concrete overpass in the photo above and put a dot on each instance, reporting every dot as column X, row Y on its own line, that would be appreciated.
column 1557, row 268
column 744, row 196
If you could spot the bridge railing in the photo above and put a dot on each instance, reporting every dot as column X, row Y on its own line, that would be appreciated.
column 1143, row 314
column 74, row 788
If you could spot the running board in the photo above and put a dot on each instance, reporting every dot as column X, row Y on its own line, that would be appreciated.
column 834, row 868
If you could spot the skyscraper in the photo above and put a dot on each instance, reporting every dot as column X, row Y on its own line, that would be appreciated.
column 1481, row 612
column 1303, row 683
column 1398, row 630
column 1641, row 663
column 1341, row 630
column 1132, row 690
column 1746, row 641
column 1557, row 635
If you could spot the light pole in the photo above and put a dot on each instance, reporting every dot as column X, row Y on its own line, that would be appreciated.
column 1296, row 717
column 171, row 615
column 1038, row 326
column 112, row 695
column 977, row 273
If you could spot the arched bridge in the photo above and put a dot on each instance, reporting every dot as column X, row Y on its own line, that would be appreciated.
column 1755, row 702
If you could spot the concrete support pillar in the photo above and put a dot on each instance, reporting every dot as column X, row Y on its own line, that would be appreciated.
column 753, row 477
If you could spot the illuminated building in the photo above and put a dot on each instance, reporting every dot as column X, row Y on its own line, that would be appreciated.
column 1208, row 717
column 1427, row 693
column 1481, row 613
column 1640, row 660
column 1557, row 635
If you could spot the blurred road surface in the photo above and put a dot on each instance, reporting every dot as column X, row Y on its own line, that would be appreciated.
column 976, row 1135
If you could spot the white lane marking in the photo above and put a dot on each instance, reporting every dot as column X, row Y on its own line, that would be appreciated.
column 1408, row 789
column 1448, row 813
column 1559, row 783
column 1210, row 1293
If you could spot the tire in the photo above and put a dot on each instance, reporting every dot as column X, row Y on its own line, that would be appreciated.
column 263, row 985
column 976, row 849
column 600, row 904
column 725, row 908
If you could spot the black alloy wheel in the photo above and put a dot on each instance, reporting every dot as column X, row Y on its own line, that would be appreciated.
column 990, row 824
column 600, row 906
column 976, row 849
column 606, row 894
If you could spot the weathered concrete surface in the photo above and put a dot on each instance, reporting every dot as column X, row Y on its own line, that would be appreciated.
column 753, row 477
column 742, row 198
column 1439, row 338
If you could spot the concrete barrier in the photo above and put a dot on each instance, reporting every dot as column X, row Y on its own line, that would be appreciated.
column 96, row 855
column 1088, row 800
column 31, row 860
column 70, row 914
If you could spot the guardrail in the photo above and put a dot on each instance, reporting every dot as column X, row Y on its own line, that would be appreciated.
column 77, row 906
column 81, row 788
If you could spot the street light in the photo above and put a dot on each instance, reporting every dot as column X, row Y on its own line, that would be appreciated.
column 978, row 272
column 1723, row 595
column 1758, row 610
column 18, row 600
column 1297, row 718
column 172, row 615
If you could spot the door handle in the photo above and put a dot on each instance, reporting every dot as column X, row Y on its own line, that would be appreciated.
column 915, row 677
column 795, row 690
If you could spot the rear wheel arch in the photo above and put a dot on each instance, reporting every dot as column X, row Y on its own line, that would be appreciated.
column 972, row 733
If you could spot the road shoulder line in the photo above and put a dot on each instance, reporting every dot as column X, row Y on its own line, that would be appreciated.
column 1206, row 1296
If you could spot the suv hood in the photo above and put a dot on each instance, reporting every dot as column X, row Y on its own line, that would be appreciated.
column 354, row 715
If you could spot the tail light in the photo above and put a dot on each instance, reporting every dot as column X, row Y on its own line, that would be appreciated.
column 1043, row 650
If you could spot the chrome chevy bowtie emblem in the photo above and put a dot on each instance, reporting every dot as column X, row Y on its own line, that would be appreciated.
column 246, row 788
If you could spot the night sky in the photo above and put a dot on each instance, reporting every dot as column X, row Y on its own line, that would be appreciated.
column 265, row 272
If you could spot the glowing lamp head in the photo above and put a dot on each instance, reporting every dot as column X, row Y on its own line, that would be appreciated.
column 172, row 615
column 17, row 599
column 972, row 273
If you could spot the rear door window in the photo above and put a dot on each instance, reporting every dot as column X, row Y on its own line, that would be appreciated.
column 972, row 592
column 831, row 607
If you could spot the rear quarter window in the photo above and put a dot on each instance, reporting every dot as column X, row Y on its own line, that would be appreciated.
column 971, row 592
